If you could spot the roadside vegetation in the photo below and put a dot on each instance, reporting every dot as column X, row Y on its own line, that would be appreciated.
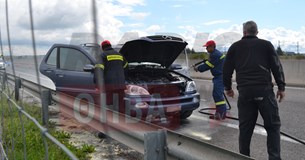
column 296, row 56
column 282, row 55
column 13, row 136
column 199, row 55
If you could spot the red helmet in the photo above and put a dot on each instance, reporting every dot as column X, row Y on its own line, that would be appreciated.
column 209, row 43
column 105, row 42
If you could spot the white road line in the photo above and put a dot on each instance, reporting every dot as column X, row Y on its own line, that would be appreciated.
column 200, row 135
column 296, row 88
column 257, row 130
column 287, row 87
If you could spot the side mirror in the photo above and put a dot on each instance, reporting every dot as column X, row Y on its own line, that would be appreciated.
column 88, row 68
column 175, row 67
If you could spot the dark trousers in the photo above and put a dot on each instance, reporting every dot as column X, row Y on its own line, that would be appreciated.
column 115, row 97
column 218, row 89
column 249, row 104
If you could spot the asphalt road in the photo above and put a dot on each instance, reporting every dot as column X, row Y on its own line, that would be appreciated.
column 225, row 133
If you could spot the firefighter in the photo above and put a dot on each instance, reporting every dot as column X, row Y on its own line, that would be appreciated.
column 215, row 64
column 113, row 65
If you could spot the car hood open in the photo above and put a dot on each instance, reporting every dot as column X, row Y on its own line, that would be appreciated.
column 145, row 49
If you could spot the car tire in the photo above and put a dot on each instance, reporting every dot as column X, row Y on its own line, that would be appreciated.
column 185, row 114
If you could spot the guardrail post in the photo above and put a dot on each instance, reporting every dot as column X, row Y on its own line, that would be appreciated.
column 17, row 87
column 4, row 79
column 155, row 145
column 45, row 102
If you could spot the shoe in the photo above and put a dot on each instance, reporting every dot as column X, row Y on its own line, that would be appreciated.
column 218, row 116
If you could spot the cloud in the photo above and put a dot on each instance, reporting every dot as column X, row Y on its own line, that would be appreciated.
column 216, row 22
column 139, row 16
column 289, row 40
column 132, row 2
column 196, row 38
column 174, row 0
column 189, row 34
column 134, row 25
column 150, row 30
column 153, row 29
column 55, row 21
column 57, row 15
column 177, row 6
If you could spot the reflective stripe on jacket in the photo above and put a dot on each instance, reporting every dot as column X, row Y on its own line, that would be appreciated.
column 214, row 63
column 113, row 64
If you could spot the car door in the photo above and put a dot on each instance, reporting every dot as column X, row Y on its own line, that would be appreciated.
column 70, row 77
column 48, row 65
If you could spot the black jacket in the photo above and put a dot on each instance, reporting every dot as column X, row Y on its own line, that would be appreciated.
column 253, row 59
column 113, row 64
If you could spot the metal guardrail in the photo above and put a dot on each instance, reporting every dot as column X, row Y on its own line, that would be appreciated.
column 44, row 131
column 155, row 142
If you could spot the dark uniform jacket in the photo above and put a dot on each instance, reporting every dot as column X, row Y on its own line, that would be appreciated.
column 253, row 60
column 214, row 63
column 113, row 64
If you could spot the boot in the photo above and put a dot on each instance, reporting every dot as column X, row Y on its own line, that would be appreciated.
column 218, row 116
column 220, row 113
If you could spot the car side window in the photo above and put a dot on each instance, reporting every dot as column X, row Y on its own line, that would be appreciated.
column 52, row 57
column 72, row 59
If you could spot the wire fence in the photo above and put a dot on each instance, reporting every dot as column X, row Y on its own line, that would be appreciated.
column 19, row 137
column 20, row 123
column 14, row 117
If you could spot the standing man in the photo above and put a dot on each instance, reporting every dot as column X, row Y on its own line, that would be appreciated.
column 113, row 64
column 215, row 64
column 254, row 59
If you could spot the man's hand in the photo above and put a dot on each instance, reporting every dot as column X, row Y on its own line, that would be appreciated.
column 230, row 93
column 280, row 95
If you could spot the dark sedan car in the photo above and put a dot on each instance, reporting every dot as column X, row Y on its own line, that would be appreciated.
column 153, row 86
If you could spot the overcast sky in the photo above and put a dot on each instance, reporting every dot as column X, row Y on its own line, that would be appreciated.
column 279, row 21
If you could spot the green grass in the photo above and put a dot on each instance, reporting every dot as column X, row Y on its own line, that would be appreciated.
column 12, row 136
column 296, row 56
column 199, row 56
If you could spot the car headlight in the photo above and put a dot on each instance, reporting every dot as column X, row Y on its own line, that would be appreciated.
column 136, row 90
column 190, row 86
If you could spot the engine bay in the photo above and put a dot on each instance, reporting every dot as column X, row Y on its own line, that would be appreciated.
column 160, row 81
column 144, row 75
